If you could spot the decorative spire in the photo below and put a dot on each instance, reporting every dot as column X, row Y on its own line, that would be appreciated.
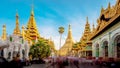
column 69, row 27
column 69, row 32
column 87, row 28
column 87, row 23
column 93, row 27
column 16, row 14
column 87, row 19
column 32, row 11
column 4, row 35
column 23, row 33
column 109, row 6
column 17, row 30
column 102, row 9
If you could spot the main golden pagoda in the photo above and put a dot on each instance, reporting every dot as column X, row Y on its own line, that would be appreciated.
column 66, row 48
column 31, row 32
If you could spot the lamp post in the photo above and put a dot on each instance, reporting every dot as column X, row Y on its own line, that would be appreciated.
column 61, row 31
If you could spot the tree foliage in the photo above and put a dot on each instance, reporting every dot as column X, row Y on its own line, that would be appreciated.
column 61, row 30
column 41, row 49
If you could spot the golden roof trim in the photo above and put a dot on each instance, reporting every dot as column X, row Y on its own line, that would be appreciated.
column 107, row 23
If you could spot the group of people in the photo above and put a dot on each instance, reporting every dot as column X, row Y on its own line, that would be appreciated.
column 15, row 63
column 63, row 62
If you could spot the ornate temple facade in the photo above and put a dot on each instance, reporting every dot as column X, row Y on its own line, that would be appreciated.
column 106, row 36
column 67, row 47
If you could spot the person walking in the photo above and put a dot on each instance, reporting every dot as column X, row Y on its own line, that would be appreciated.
column 16, row 62
column 76, row 62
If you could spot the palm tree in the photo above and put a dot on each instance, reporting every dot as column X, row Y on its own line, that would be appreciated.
column 61, row 31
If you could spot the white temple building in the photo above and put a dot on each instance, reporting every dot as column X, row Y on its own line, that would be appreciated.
column 14, row 45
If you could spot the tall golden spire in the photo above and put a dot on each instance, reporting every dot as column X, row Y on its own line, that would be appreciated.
column 17, row 30
column 68, row 43
column 32, row 32
column 87, row 31
column 86, row 35
column 87, row 26
column 4, row 35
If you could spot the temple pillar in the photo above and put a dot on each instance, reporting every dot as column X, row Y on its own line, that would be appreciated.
column 101, row 52
column 11, row 57
column 26, row 51
column 21, row 55
column 5, row 52
column 110, row 47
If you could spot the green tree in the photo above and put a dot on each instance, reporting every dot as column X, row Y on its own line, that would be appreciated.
column 41, row 49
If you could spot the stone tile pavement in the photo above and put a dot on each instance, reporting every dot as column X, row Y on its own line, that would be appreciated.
column 70, row 66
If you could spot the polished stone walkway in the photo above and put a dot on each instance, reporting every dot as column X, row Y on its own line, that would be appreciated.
column 70, row 66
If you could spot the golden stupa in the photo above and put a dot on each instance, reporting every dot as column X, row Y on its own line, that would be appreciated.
column 31, row 33
column 66, row 48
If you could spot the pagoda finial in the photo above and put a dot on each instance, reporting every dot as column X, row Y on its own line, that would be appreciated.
column 109, row 5
column 4, row 35
column 93, row 27
column 16, row 13
column 87, row 19
column 32, row 11
column 69, row 27
column 102, row 9
column 69, row 32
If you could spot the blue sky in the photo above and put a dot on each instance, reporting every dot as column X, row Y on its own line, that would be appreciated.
column 51, row 14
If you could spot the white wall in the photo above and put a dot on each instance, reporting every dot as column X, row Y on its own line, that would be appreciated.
column 109, row 36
